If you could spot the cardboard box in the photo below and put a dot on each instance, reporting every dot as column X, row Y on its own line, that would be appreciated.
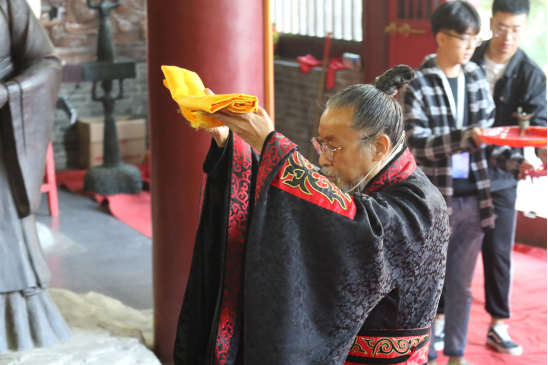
column 131, row 136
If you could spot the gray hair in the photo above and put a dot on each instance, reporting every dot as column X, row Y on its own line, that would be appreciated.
column 375, row 108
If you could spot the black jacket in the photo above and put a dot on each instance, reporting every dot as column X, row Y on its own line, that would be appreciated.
column 523, row 84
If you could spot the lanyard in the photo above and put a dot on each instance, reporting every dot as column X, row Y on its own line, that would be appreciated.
column 456, row 110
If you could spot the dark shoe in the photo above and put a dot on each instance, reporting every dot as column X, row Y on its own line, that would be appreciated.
column 500, row 340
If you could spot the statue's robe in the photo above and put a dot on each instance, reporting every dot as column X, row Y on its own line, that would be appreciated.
column 288, row 269
column 29, row 84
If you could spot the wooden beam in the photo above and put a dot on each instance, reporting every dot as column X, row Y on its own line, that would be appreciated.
column 375, row 51
column 268, row 61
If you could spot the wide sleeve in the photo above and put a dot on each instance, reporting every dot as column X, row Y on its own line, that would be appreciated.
column 225, row 203
column 216, row 162
column 318, row 260
column 425, row 144
column 27, row 115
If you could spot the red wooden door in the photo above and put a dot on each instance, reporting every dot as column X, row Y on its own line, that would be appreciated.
column 411, row 38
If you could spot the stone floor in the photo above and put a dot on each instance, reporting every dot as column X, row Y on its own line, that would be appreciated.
column 105, row 255
column 89, row 252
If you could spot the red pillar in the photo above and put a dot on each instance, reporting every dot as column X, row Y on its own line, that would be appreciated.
column 376, row 43
column 221, row 40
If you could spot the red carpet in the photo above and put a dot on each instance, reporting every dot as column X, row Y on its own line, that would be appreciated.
column 133, row 210
column 528, row 305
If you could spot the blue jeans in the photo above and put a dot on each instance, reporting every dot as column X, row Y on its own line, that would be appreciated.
column 462, row 253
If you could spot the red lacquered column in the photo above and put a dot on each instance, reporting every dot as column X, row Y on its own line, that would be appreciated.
column 221, row 40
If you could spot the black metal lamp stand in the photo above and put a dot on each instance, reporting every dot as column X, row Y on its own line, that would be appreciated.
column 114, row 176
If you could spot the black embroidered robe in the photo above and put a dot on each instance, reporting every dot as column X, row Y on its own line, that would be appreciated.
column 288, row 269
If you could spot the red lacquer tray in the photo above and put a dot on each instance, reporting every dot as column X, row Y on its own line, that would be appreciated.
column 509, row 136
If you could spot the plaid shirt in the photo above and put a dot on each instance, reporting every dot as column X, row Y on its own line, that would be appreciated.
column 433, row 138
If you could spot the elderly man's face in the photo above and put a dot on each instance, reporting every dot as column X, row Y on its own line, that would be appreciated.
column 350, row 163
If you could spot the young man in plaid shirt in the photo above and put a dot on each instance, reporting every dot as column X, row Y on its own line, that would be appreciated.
column 446, row 107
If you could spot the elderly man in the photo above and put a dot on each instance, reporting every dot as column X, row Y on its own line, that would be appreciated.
column 299, row 265
column 29, row 82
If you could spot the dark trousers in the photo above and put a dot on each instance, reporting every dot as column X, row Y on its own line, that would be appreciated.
column 497, row 251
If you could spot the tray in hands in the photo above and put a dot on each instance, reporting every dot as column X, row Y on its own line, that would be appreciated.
column 509, row 136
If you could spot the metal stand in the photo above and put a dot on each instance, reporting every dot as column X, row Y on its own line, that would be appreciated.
column 114, row 176
column 523, row 119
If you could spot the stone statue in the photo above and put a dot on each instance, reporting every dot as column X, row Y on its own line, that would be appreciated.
column 29, row 84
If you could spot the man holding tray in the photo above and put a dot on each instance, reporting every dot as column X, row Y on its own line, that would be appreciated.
column 515, row 81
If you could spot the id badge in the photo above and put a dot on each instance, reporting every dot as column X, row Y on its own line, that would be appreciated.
column 461, row 165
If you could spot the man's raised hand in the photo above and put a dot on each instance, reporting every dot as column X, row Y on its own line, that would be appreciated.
column 219, row 134
column 251, row 127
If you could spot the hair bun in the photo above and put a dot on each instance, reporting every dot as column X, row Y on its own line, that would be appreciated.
column 392, row 80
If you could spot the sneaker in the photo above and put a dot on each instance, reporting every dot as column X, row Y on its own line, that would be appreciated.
column 500, row 340
column 460, row 361
column 439, row 334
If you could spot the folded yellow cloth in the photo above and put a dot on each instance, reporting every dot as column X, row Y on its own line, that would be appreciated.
column 188, row 91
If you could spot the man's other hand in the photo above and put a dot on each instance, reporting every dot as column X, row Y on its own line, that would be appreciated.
column 525, row 166
column 219, row 134
column 477, row 136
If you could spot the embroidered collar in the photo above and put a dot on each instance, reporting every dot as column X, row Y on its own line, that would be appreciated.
column 397, row 170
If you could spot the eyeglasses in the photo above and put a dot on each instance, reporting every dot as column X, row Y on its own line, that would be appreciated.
column 321, row 147
column 470, row 41
column 503, row 32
